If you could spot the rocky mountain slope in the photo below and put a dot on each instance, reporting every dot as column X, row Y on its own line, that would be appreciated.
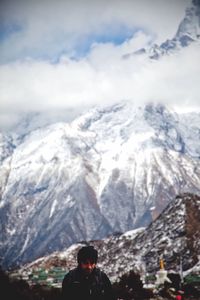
column 173, row 236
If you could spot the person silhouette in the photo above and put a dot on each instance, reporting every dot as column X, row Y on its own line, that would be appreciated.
column 86, row 281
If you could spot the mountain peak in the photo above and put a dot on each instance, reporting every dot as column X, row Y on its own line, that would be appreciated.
column 188, row 32
column 189, row 28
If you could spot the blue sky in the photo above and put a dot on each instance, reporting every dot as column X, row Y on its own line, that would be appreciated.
column 46, row 29
column 67, row 54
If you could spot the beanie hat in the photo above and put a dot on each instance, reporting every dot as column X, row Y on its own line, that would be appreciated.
column 87, row 253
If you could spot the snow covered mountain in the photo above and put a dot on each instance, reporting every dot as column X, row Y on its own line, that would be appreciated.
column 111, row 170
column 101, row 174
column 187, row 33
column 174, row 236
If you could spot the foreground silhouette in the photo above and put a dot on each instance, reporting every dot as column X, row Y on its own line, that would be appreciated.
column 129, row 287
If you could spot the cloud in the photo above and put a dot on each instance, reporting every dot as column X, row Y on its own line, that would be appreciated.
column 46, row 29
column 103, row 77
column 38, row 73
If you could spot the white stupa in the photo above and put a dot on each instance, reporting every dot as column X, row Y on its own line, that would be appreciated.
column 161, row 275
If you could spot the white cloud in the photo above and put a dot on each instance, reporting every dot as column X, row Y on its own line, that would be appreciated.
column 50, row 27
column 103, row 76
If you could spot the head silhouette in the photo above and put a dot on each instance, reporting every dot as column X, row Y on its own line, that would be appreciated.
column 87, row 254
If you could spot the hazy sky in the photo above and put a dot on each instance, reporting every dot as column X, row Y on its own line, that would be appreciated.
column 64, row 54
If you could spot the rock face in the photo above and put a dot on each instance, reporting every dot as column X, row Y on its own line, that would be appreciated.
column 174, row 236
column 111, row 170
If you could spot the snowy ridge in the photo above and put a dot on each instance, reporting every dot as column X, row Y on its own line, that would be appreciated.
column 101, row 174
column 188, row 32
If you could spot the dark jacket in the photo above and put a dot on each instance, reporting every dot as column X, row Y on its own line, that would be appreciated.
column 77, row 286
